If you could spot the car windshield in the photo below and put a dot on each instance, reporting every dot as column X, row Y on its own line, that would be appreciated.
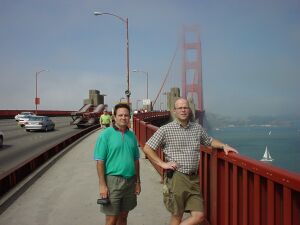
column 35, row 118
column 26, row 117
column 26, row 113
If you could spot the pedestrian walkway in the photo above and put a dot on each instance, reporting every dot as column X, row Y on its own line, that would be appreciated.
column 66, row 194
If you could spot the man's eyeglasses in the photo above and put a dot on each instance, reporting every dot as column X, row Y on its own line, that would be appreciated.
column 182, row 108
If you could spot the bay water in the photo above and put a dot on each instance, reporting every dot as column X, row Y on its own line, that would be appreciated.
column 283, row 143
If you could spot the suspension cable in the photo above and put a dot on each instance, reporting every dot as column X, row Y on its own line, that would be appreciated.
column 168, row 72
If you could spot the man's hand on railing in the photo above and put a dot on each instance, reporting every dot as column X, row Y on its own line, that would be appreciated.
column 220, row 145
column 227, row 149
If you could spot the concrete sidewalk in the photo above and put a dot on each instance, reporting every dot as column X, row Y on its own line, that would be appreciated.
column 66, row 194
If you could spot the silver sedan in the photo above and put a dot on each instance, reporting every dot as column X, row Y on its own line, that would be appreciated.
column 39, row 123
column 22, row 114
column 23, row 120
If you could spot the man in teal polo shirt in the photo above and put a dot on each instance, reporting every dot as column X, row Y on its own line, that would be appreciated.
column 117, row 155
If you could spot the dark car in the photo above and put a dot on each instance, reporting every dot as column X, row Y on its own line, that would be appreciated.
column 1, row 138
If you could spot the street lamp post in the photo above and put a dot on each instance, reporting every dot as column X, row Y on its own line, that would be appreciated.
column 127, row 91
column 146, row 73
column 37, row 100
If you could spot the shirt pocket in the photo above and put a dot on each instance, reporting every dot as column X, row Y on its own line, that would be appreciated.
column 193, row 142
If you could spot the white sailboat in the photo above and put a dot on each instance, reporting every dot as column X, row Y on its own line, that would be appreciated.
column 267, row 156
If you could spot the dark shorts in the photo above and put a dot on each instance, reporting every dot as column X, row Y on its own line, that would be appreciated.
column 182, row 193
column 121, row 195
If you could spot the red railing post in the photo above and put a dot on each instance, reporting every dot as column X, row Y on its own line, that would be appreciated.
column 287, row 206
column 213, row 177
column 270, row 202
column 245, row 197
column 235, row 194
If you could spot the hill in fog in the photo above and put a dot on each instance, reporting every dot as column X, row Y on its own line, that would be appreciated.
column 213, row 121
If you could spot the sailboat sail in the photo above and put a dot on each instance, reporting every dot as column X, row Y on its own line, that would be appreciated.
column 267, row 156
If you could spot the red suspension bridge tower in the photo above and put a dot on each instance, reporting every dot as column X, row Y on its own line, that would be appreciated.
column 192, row 69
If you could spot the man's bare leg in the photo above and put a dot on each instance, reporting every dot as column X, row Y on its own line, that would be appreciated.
column 111, row 220
column 176, row 219
column 122, row 218
column 195, row 219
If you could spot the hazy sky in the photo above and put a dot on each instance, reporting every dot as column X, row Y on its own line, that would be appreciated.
column 250, row 52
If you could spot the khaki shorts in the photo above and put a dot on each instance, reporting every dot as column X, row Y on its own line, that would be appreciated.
column 182, row 193
column 121, row 195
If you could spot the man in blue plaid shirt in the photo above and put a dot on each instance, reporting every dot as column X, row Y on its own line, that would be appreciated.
column 180, row 141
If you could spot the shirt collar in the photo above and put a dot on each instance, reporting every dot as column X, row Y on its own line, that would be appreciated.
column 179, row 124
column 118, row 129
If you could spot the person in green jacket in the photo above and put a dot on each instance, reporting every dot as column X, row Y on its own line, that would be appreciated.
column 105, row 119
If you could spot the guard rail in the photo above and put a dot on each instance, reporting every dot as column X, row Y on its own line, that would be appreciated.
column 237, row 190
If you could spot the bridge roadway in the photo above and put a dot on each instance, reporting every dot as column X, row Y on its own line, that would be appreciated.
column 66, row 193
column 20, row 145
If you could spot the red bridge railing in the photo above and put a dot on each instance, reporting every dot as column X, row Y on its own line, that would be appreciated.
column 10, row 114
column 237, row 190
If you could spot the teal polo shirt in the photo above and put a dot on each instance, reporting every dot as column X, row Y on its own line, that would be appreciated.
column 118, row 150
